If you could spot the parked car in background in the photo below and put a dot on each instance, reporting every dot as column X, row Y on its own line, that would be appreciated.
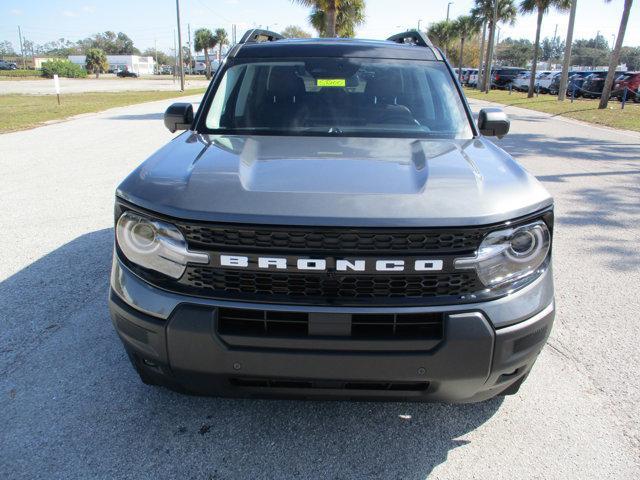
column 544, row 82
column 201, row 67
column 473, row 78
column 576, row 81
column 503, row 76
column 630, row 80
column 554, row 87
column 521, row 81
column 539, row 77
column 127, row 73
column 467, row 75
column 4, row 65
column 594, row 84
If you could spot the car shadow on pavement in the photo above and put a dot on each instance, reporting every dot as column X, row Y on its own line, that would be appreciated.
column 556, row 149
column 75, row 408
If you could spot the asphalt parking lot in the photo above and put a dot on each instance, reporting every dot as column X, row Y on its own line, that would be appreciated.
column 72, row 407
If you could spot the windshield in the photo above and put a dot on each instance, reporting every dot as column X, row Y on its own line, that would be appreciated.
column 335, row 96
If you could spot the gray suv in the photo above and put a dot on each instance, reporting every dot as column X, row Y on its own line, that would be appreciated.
column 332, row 222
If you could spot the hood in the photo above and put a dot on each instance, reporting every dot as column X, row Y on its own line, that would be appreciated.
column 335, row 181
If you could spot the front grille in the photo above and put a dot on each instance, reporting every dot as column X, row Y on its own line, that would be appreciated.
column 319, row 240
column 248, row 382
column 283, row 324
column 325, row 288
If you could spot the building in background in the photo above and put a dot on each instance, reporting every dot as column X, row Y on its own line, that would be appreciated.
column 131, row 63
column 38, row 61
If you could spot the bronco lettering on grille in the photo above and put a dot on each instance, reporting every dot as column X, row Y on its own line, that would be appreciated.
column 322, row 264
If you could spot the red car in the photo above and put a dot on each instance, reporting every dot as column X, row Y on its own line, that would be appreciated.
column 631, row 80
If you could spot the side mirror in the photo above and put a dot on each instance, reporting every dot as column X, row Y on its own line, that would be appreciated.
column 493, row 122
column 179, row 116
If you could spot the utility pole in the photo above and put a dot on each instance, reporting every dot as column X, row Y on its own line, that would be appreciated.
column 24, row 65
column 189, row 44
column 181, row 65
column 155, row 48
column 492, row 37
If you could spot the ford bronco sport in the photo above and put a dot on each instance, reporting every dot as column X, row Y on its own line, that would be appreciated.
column 333, row 223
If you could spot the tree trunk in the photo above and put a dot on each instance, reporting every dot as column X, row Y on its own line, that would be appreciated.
column 331, row 19
column 566, row 63
column 481, row 56
column 486, row 78
column 615, row 56
column 460, row 60
column 536, row 47
column 207, row 64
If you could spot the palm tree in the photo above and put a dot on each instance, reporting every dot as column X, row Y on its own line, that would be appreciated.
column 481, row 51
column 615, row 54
column 541, row 7
column 96, row 61
column 349, row 16
column 203, row 41
column 221, row 39
column 330, row 9
column 464, row 27
column 564, row 77
column 506, row 13
column 441, row 34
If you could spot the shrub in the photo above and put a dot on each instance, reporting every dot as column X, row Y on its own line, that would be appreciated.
column 63, row 68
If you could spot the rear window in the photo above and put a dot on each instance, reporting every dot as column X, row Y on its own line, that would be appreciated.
column 336, row 96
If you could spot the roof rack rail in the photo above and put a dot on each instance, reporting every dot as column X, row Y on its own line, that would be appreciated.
column 415, row 37
column 257, row 36
column 412, row 37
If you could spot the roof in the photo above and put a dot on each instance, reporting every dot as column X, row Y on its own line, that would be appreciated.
column 333, row 47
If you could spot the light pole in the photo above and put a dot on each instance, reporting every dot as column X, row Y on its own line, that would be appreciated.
column 181, row 65
column 419, row 22
column 448, row 6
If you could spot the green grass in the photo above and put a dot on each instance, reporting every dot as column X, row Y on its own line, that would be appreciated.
column 19, row 112
column 580, row 109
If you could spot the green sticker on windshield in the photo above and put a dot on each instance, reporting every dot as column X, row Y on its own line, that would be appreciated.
column 331, row 82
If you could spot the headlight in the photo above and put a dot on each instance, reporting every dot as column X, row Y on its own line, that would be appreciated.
column 155, row 245
column 509, row 255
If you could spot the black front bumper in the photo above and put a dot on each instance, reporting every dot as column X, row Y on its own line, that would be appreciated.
column 473, row 362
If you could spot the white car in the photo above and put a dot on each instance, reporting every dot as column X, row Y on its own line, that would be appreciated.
column 521, row 82
column 473, row 78
column 544, row 82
